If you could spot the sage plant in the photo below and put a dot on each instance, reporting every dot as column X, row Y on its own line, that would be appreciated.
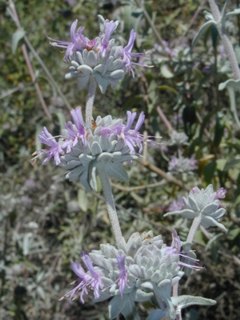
column 143, row 268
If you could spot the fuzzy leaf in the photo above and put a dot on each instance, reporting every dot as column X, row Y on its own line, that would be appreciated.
column 185, row 301
column 121, row 305
column 17, row 36
column 204, row 28
column 235, row 84
column 233, row 13
column 157, row 314
column 166, row 72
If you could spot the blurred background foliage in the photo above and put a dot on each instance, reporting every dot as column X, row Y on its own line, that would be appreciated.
column 45, row 221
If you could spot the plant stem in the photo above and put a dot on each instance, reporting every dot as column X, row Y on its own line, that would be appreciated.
column 232, row 98
column 90, row 100
column 164, row 119
column 47, row 72
column 194, row 227
column 163, row 174
column 149, row 20
column 108, row 195
column 36, row 85
column 13, row 13
column 225, row 40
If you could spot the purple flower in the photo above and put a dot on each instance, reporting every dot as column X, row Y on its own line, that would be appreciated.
column 175, row 249
column 123, row 276
column 176, row 205
column 78, row 148
column 131, row 137
column 127, row 53
column 109, row 28
column 220, row 193
column 182, row 164
column 86, row 280
column 103, row 45
column 96, row 282
column 75, row 131
column 54, row 151
column 77, row 41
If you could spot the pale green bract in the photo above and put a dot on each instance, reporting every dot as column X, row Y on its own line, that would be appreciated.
column 106, row 71
column 202, row 203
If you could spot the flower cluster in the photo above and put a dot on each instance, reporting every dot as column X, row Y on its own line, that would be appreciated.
column 182, row 164
column 205, row 204
column 106, row 146
column 99, row 58
column 178, row 138
column 147, row 269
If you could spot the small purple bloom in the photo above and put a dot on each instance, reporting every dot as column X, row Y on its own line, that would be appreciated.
column 107, row 57
column 177, row 205
column 77, row 41
column 220, row 193
column 175, row 249
column 127, row 53
column 131, row 137
column 176, row 242
column 54, row 151
column 109, row 28
column 182, row 164
column 86, row 280
column 75, row 130
column 96, row 282
column 123, row 276
column 195, row 190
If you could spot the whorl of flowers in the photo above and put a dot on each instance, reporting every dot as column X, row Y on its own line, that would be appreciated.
column 178, row 138
column 99, row 58
column 205, row 204
column 182, row 164
column 106, row 146
column 148, row 268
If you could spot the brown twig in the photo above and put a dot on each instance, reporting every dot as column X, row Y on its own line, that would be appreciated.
column 149, row 20
column 14, row 16
column 195, row 16
column 138, row 188
column 13, row 13
column 162, row 173
column 164, row 119
column 36, row 85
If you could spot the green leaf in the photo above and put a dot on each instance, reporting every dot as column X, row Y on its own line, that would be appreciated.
column 221, row 164
column 17, row 36
column 166, row 72
column 204, row 28
column 169, row 89
column 231, row 164
column 231, row 83
column 209, row 171
column 233, row 13
column 233, row 234
column 157, row 314
column 185, row 301
column 82, row 200
column 219, row 130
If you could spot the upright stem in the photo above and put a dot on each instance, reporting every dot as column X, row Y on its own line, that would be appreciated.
column 90, row 100
column 15, row 18
column 108, row 195
column 194, row 227
column 149, row 20
column 225, row 41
